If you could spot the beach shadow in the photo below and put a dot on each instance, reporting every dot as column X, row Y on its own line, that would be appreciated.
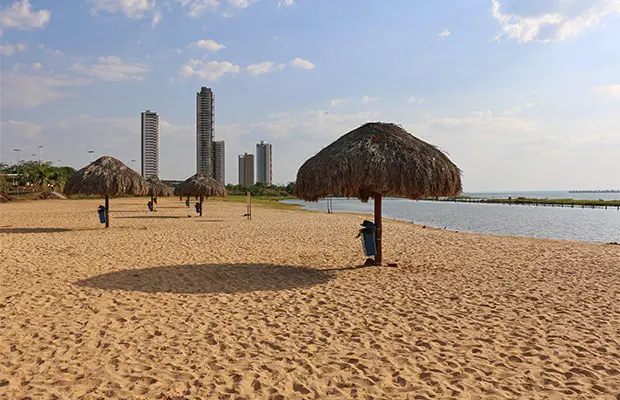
column 153, row 216
column 33, row 230
column 351, row 268
column 209, row 278
column 208, row 220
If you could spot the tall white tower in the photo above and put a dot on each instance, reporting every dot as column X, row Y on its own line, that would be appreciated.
column 204, row 131
column 150, row 144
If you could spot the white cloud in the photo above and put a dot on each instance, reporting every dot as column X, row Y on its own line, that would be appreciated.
column 111, row 68
column 23, row 90
column 37, row 66
column 157, row 17
column 209, row 70
column 195, row 8
column 9, row 49
column 52, row 52
column 286, row 3
column 565, row 19
column 209, row 45
column 19, row 15
column 241, row 3
column 13, row 129
column 368, row 99
column 301, row 63
column 416, row 100
column 444, row 34
column 337, row 102
column 131, row 8
column 612, row 90
column 260, row 68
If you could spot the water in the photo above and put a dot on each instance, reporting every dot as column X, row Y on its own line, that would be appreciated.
column 550, row 194
column 587, row 225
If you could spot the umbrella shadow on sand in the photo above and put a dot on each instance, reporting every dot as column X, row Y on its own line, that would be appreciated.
column 34, row 230
column 209, row 278
column 152, row 217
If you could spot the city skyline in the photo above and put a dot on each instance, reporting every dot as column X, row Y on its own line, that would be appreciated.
column 531, row 93
column 246, row 169
column 205, row 113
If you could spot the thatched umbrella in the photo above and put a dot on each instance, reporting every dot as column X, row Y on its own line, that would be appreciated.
column 158, row 189
column 107, row 177
column 375, row 160
column 203, row 186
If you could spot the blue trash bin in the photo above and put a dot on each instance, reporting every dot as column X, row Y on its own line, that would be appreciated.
column 102, row 216
column 150, row 205
column 187, row 202
column 368, row 235
column 197, row 205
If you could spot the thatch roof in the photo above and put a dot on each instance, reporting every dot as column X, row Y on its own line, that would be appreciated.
column 378, row 158
column 201, row 185
column 158, row 189
column 106, row 176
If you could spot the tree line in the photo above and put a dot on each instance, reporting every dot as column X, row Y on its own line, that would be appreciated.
column 260, row 189
column 41, row 176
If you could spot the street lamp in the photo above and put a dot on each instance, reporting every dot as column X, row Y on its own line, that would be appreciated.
column 40, row 154
column 17, row 155
column 91, row 152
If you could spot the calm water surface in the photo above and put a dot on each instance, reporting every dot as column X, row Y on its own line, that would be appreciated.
column 588, row 225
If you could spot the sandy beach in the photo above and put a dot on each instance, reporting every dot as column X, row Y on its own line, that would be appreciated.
column 162, row 306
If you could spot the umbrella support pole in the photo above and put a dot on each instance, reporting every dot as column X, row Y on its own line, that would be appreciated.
column 201, row 205
column 107, row 211
column 378, row 226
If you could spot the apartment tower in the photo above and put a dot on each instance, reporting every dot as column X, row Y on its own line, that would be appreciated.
column 246, row 169
column 263, row 163
column 204, row 131
column 219, row 161
column 150, row 144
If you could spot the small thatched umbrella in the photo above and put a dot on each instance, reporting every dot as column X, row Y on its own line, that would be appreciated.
column 375, row 160
column 203, row 186
column 158, row 189
column 107, row 177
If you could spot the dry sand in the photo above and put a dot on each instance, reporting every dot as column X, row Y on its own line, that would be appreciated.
column 162, row 305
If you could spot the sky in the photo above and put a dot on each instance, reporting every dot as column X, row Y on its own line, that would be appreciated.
column 522, row 94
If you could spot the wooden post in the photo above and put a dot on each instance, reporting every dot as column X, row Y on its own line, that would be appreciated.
column 107, row 211
column 152, row 202
column 201, row 205
column 378, row 225
column 249, row 210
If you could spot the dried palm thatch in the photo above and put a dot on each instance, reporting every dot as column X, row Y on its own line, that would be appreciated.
column 203, row 186
column 375, row 160
column 107, row 177
column 158, row 189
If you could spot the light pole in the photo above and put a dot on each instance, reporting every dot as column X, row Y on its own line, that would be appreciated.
column 133, row 165
column 40, row 154
column 17, row 155
column 91, row 152
column 34, row 157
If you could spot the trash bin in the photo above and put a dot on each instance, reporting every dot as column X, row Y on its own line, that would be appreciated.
column 368, row 233
column 187, row 202
column 197, row 205
column 102, row 216
column 150, row 205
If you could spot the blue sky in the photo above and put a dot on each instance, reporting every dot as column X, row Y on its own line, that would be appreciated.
column 523, row 95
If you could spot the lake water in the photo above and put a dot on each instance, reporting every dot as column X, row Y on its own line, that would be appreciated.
column 551, row 194
column 588, row 225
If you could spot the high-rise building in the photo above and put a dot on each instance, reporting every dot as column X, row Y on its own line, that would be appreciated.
column 246, row 169
column 219, row 162
column 263, row 163
column 150, row 144
column 204, row 131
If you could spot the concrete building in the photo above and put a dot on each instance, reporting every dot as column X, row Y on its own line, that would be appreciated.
column 204, row 131
column 150, row 144
column 263, row 163
column 246, row 169
column 219, row 162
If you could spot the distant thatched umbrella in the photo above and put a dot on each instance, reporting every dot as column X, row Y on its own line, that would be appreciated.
column 107, row 177
column 158, row 189
column 375, row 160
column 203, row 186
